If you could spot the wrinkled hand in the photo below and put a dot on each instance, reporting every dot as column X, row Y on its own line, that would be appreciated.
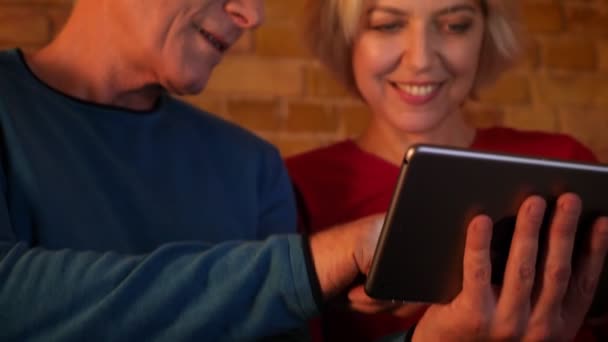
column 532, row 304
column 343, row 252
column 361, row 302
column 599, row 325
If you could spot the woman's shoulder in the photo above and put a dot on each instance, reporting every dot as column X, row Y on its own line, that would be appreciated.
column 534, row 143
column 330, row 157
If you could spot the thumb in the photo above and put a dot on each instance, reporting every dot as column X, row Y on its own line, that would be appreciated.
column 369, row 231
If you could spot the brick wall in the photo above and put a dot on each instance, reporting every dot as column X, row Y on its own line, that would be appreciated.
column 270, row 85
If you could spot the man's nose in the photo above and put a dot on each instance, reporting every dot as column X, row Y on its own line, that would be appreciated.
column 247, row 14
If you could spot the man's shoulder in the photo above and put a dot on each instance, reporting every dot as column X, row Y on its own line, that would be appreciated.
column 226, row 134
column 8, row 57
column 9, row 60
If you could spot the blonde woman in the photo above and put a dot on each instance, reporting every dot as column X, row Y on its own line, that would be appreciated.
column 414, row 63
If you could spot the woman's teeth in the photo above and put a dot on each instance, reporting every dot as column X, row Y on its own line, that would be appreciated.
column 417, row 90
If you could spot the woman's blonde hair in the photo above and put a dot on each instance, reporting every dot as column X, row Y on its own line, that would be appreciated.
column 332, row 26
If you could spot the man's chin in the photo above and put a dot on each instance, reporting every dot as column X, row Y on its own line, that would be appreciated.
column 193, row 87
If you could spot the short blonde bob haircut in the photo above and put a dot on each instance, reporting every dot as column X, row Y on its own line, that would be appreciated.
column 332, row 26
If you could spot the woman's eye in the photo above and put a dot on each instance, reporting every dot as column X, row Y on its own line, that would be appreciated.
column 458, row 27
column 390, row 27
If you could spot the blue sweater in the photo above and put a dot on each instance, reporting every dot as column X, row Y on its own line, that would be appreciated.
column 125, row 226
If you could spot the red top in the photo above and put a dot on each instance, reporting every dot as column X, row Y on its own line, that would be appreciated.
column 341, row 183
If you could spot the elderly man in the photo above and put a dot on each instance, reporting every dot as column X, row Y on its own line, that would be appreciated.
column 126, row 214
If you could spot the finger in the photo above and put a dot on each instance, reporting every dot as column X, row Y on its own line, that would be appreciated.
column 358, row 295
column 372, row 309
column 514, row 301
column 598, row 321
column 368, row 240
column 588, row 270
column 557, row 264
column 361, row 302
column 409, row 310
column 477, row 268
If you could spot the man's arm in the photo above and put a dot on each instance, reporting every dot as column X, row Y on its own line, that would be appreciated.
column 231, row 291
column 277, row 208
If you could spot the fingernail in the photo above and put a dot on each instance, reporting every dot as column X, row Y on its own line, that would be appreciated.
column 483, row 224
column 568, row 205
column 535, row 208
column 603, row 223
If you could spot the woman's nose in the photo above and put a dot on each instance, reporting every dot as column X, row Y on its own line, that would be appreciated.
column 419, row 50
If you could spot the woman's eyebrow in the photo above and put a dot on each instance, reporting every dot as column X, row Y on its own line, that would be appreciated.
column 400, row 12
column 387, row 9
column 457, row 8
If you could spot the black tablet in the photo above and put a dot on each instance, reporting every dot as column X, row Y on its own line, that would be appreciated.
column 420, row 252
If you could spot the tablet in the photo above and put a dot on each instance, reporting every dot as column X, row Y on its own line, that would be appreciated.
column 420, row 251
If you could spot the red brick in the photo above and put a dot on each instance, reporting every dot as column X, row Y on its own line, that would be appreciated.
column 313, row 118
column 509, row 89
column 279, row 40
column 573, row 90
column 38, row 2
column 320, row 83
column 23, row 25
column 243, row 45
column 58, row 17
column 539, row 117
column 603, row 55
column 207, row 102
column 482, row 114
column 530, row 58
column 589, row 126
column 355, row 118
column 543, row 17
column 290, row 146
column 587, row 19
column 569, row 54
column 257, row 76
column 256, row 115
column 6, row 46
column 278, row 11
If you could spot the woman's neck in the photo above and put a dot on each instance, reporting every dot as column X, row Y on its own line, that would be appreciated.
column 391, row 144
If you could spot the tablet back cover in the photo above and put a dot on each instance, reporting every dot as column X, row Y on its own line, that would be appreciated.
column 420, row 251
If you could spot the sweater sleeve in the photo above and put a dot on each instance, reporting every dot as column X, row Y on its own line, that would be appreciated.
column 275, row 196
column 181, row 291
